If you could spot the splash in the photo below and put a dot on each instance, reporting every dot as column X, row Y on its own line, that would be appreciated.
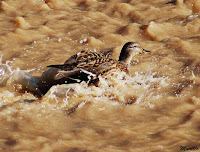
column 116, row 89
column 5, row 72
column 14, row 81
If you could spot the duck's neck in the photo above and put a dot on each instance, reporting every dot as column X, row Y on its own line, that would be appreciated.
column 125, row 56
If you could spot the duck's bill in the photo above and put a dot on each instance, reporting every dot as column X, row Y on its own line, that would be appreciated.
column 145, row 51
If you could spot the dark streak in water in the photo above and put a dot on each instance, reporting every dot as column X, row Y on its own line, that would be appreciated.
column 131, row 101
column 187, row 117
column 171, row 2
column 11, row 142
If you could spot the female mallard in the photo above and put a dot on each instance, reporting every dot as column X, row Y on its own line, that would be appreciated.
column 89, row 65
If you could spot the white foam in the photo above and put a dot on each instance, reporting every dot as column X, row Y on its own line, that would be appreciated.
column 5, row 96
column 83, row 40
column 59, row 40
column 115, row 89
column 5, row 72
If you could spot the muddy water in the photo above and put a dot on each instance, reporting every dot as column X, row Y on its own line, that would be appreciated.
column 155, row 108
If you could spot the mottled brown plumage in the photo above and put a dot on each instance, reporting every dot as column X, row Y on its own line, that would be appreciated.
column 94, row 64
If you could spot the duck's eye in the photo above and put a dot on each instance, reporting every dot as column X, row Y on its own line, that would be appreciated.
column 131, row 47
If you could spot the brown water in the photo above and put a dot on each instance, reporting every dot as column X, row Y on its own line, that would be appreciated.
column 155, row 108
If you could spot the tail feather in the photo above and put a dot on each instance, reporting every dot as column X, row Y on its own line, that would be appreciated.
column 66, row 67
column 59, row 66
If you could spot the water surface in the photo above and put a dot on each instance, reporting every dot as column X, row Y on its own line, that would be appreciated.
column 155, row 108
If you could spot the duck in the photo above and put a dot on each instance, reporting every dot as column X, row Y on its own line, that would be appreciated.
column 88, row 65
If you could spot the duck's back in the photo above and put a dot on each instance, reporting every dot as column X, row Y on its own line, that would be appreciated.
column 93, row 61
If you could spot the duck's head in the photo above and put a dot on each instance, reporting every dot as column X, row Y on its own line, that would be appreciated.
column 129, row 50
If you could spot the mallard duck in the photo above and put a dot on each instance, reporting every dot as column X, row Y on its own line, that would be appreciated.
column 87, row 66
column 94, row 64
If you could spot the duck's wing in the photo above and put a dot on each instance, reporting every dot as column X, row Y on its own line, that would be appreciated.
column 88, row 57
column 88, row 62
